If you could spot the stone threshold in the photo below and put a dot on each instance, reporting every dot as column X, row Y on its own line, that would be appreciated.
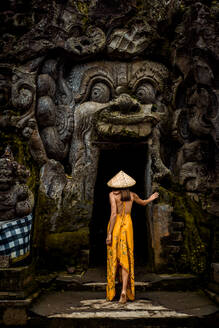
column 151, row 282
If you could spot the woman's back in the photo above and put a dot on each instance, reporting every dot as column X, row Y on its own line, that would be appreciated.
column 117, row 204
column 120, row 203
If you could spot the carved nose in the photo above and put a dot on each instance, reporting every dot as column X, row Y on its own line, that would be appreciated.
column 126, row 104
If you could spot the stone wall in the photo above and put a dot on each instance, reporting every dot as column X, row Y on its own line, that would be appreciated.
column 75, row 74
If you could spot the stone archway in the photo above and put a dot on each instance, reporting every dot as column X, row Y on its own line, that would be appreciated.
column 82, row 107
column 132, row 158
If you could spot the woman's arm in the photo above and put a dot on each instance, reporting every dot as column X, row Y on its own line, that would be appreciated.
column 146, row 201
column 112, row 219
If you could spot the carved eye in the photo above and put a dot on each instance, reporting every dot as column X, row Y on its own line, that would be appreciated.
column 145, row 93
column 100, row 92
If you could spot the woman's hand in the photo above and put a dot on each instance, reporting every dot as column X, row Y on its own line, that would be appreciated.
column 109, row 239
column 153, row 196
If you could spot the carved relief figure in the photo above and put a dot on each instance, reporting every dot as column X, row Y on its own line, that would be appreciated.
column 16, row 205
column 104, row 101
column 114, row 101
column 16, row 198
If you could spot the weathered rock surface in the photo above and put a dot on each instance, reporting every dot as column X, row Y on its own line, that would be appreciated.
column 16, row 200
column 77, row 76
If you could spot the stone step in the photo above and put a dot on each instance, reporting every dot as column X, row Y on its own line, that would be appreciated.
column 17, row 279
column 13, row 311
column 20, row 295
column 17, row 282
column 152, row 281
column 151, row 309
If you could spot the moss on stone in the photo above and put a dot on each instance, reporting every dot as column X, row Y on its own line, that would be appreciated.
column 64, row 249
column 68, row 242
column 45, row 208
column 194, row 255
column 60, row 231
column 83, row 8
column 22, row 155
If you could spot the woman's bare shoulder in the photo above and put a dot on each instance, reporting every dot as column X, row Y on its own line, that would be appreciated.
column 113, row 194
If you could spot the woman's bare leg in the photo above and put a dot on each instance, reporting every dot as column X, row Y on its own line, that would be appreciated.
column 125, row 275
column 124, row 280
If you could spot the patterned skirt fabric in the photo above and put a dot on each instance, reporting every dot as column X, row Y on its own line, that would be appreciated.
column 15, row 238
column 120, row 255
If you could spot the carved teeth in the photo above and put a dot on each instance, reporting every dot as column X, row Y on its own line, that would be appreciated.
column 117, row 117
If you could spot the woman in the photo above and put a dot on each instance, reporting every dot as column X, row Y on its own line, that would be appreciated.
column 120, row 236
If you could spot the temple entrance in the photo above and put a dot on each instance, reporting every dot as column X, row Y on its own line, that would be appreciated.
column 132, row 159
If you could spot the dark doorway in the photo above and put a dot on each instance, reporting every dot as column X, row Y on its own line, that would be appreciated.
column 132, row 159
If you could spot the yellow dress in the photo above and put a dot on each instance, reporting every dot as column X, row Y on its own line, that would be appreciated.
column 120, row 254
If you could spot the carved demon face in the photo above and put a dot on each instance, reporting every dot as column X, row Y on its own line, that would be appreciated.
column 122, row 96
column 112, row 101
column 98, row 101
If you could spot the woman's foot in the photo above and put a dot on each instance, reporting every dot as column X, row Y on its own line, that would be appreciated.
column 123, row 298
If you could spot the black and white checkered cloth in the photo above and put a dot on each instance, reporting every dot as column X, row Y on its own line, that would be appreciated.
column 15, row 237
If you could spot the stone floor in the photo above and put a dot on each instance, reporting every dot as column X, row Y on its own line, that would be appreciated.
column 150, row 309
column 158, row 303
column 78, row 300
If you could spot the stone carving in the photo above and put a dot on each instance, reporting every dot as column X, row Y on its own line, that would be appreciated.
column 72, row 26
column 19, row 111
column 5, row 94
column 198, row 102
column 180, row 127
column 65, row 87
column 41, row 36
column 196, row 116
column 55, row 121
column 93, row 41
column 192, row 162
column 111, row 101
column 105, row 107
column 16, row 200
column 126, row 42
column 110, row 91
column 202, row 37
column 166, row 231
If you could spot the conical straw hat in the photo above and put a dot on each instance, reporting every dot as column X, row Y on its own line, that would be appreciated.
column 121, row 180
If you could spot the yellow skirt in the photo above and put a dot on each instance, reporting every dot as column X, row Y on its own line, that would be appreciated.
column 120, row 255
